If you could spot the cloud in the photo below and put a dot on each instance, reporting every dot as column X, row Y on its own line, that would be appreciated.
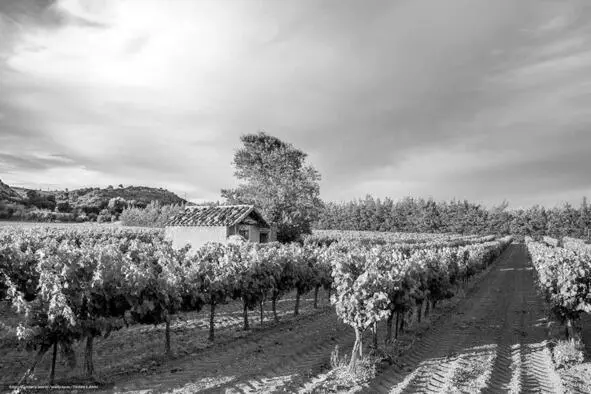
column 388, row 98
column 32, row 162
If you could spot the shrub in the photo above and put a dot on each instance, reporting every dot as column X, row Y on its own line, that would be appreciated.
column 7, row 210
column 567, row 353
column 117, row 205
column 38, row 215
column 41, row 201
column 63, row 206
column 154, row 215
column 336, row 361
column 104, row 216
column 366, row 370
column 63, row 217
column 236, row 239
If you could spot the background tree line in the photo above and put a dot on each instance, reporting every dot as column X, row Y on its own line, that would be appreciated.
column 277, row 178
column 463, row 217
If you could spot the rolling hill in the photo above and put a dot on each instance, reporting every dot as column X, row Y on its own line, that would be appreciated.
column 8, row 194
column 86, row 200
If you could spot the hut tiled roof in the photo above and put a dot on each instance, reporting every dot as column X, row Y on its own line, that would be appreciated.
column 222, row 215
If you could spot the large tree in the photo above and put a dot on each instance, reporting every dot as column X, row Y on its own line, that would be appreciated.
column 275, row 177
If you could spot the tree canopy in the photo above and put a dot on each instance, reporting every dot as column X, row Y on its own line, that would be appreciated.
column 275, row 177
column 420, row 215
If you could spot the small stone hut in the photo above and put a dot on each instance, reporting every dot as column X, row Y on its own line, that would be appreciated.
column 197, row 225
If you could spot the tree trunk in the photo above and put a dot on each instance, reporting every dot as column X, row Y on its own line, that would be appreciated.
column 389, row 328
column 52, row 373
column 274, row 307
column 167, row 336
column 316, row 297
column 211, row 320
column 357, row 351
column 329, row 292
column 296, row 311
column 434, row 304
column 420, row 306
column 403, row 314
column 261, row 305
column 571, row 331
column 88, row 362
column 375, row 335
column 397, row 325
column 427, row 308
column 246, row 327
column 31, row 369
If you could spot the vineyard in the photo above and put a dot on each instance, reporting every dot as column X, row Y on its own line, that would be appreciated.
column 564, row 273
column 372, row 237
column 70, row 291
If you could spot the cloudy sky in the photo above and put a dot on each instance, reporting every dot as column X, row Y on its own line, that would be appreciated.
column 479, row 99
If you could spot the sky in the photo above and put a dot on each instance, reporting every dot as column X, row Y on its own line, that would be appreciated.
column 484, row 100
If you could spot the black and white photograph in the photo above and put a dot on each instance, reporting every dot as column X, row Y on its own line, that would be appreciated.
column 295, row 196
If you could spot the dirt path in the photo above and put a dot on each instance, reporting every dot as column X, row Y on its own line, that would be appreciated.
column 495, row 342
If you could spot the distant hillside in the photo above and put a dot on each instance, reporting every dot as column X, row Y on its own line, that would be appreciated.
column 9, row 194
column 87, row 201
column 136, row 195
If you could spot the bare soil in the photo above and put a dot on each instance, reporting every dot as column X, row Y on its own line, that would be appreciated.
column 577, row 378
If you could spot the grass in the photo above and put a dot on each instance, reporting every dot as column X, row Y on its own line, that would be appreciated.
column 567, row 353
column 340, row 379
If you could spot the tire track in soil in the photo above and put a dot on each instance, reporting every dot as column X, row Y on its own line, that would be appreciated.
column 494, row 342
column 445, row 345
